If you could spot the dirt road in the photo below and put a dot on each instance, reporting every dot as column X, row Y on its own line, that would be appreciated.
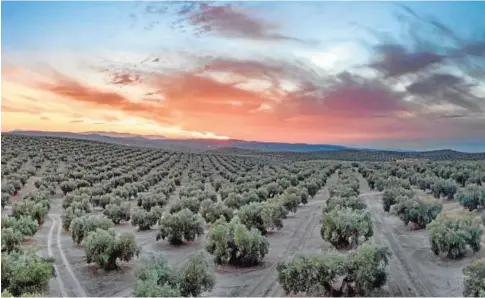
column 413, row 270
column 68, row 282
column 298, row 234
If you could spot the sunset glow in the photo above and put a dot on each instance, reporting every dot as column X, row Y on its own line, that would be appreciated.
column 314, row 72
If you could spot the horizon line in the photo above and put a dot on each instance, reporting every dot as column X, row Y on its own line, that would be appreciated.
column 348, row 147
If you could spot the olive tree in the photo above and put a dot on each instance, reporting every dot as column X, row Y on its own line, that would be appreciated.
column 81, row 226
column 273, row 189
column 150, row 288
column 312, row 188
column 343, row 190
column 180, row 226
column 38, row 211
column 232, row 243
column 24, row 224
column 263, row 216
column 418, row 211
column 272, row 214
column 291, row 201
column 307, row 274
column 39, row 196
column 395, row 195
column 304, row 195
column 8, row 187
column 117, row 213
column 474, row 279
column 191, row 203
column 157, row 279
column 147, row 200
column 102, row 200
column 5, row 199
column 76, row 200
column 68, row 186
column 366, row 269
column 176, row 207
column 195, row 277
column 471, row 196
column 145, row 219
column 392, row 182
column 442, row 187
column 11, row 239
column 332, row 274
column 69, row 215
column 343, row 227
column 17, row 184
column 105, row 247
column 355, row 203
column 211, row 211
column 25, row 272
column 379, row 184
column 234, row 201
column 450, row 236
column 425, row 183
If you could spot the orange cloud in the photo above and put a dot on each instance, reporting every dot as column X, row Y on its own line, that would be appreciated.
column 198, row 101
column 66, row 87
column 255, row 99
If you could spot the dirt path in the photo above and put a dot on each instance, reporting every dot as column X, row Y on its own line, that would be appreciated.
column 413, row 269
column 296, row 235
column 74, row 286
column 268, row 285
column 60, row 283
column 403, row 270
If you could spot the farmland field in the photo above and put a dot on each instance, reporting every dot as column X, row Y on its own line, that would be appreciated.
column 298, row 206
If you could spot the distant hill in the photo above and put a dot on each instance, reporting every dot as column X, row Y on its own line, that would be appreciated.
column 122, row 135
column 180, row 144
column 278, row 150
column 350, row 154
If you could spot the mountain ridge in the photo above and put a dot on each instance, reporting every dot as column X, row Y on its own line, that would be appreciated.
column 181, row 144
column 161, row 142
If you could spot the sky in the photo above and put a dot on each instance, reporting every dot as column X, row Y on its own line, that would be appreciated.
column 407, row 75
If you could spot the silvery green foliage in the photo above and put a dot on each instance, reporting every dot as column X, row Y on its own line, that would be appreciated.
column 233, row 243
column 343, row 227
column 180, row 226
column 104, row 247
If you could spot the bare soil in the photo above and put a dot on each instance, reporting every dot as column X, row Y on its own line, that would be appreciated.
column 414, row 270
column 75, row 278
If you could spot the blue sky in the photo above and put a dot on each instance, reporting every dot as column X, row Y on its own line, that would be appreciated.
column 290, row 71
column 41, row 24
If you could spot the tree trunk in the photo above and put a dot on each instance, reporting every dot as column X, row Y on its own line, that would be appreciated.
column 110, row 264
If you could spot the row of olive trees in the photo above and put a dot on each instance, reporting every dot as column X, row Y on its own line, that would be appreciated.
column 330, row 274
column 262, row 209
column 345, row 218
column 155, row 278
column 186, row 217
column 410, row 207
column 450, row 236
column 456, row 173
column 23, row 271
column 446, row 182
column 180, row 225
column 345, row 221
column 28, row 214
